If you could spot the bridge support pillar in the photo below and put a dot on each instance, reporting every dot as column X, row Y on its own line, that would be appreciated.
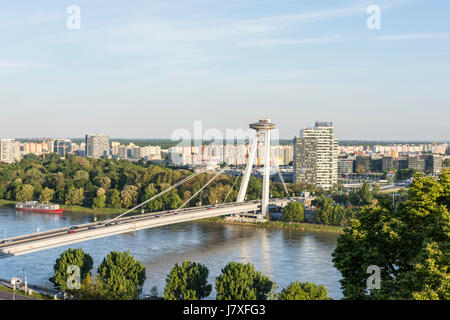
column 264, row 126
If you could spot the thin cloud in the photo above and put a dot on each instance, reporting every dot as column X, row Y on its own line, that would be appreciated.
column 278, row 42
column 414, row 36
column 13, row 65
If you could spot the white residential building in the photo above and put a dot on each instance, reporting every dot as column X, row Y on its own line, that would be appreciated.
column 316, row 156
column 9, row 150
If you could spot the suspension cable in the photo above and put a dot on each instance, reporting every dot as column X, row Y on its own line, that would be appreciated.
column 232, row 187
column 157, row 195
column 204, row 186
column 281, row 177
column 170, row 189
column 211, row 180
column 282, row 181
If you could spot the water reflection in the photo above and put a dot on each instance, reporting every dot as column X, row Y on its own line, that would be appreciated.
column 283, row 255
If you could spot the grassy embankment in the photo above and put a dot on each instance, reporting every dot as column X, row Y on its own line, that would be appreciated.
column 22, row 293
column 303, row 226
column 11, row 204
column 7, row 203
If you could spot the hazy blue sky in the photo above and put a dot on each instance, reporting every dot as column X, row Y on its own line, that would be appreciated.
column 145, row 68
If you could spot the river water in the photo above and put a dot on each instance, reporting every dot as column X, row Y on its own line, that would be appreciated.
column 283, row 255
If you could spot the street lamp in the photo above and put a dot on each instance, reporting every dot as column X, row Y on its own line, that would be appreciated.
column 25, row 280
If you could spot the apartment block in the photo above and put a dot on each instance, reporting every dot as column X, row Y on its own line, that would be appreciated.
column 9, row 150
column 316, row 156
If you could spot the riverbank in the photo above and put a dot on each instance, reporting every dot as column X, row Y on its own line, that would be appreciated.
column 20, row 294
column 7, row 203
column 303, row 226
column 74, row 209
column 268, row 224
column 79, row 209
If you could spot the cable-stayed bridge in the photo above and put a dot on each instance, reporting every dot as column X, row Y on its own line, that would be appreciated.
column 60, row 237
column 257, row 209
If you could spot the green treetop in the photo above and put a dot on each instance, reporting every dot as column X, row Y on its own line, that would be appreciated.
column 240, row 281
column 188, row 281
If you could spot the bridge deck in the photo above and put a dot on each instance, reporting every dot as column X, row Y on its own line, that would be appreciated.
column 59, row 237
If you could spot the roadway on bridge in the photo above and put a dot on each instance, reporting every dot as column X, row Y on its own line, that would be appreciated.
column 79, row 233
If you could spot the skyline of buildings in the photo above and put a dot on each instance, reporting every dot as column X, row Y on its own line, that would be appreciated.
column 314, row 157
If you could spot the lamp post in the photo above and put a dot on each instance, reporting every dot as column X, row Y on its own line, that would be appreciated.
column 25, row 280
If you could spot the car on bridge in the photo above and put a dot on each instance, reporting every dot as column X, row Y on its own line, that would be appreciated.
column 111, row 223
column 73, row 229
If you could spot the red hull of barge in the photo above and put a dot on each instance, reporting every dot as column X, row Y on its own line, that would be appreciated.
column 58, row 211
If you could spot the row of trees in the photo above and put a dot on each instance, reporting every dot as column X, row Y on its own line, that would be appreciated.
column 409, row 242
column 120, row 276
column 99, row 183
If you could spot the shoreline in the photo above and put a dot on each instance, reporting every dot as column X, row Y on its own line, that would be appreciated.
column 75, row 209
column 297, row 226
column 302, row 226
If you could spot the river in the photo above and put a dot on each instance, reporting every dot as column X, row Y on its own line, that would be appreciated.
column 283, row 255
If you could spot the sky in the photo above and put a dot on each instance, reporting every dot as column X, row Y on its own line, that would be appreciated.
column 143, row 69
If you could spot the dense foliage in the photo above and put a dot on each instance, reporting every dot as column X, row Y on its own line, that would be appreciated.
column 100, row 183
column 294, row 212
column 121, row 275
column 188, row 281
column 240, row 281
column 304, row 291
column 330, row 213
column 409, row 242
column 71, row 257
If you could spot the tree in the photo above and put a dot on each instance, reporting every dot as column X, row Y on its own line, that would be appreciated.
column 172, row 200
column 240, row 281
column 75, row 257
column 122, row 276
column 129, row 196
column 362, row 197
column 91, row 290
column 188, row 281
column 304, row 291
column 409, row 243
column 2, row 191
column 294, row 212
column 431, row 267
column 155, row 204
column 114, row 199
column 75, row 197
column 330, row 213
column 100, row 200
column 103, row 182
column 46, row 195
column 25, row 193
column 80, row 178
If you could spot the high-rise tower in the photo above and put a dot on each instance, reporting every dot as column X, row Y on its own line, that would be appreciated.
column 96, row 145
column 316, row 156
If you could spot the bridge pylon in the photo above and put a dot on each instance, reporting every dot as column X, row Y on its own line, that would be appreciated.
column 262, row 127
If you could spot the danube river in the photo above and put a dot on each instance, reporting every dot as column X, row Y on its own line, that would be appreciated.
column 283, row 255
